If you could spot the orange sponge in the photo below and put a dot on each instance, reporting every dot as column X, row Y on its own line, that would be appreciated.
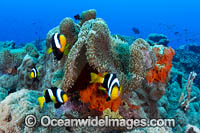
column 97, row 99
column 163, row 65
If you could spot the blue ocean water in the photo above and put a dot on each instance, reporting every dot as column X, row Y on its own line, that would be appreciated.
column 24, row 21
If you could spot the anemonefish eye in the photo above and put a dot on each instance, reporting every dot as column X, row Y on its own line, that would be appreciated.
column 63, row 42
column 65, row 98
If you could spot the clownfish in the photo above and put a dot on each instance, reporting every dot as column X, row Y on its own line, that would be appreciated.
column 55, row 95
column 34, row 74
column 59, row 46
column 109, row 84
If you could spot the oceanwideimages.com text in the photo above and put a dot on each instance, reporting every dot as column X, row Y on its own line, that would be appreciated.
column 46, row 121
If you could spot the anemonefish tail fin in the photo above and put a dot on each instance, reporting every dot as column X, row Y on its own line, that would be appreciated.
column 50, row 50
column 41, row 101
column 37, row 71
column 120, row 92
column 66, row 51
column 96, row 78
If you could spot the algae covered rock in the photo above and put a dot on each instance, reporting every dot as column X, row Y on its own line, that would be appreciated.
column 70, row 30
column 8, row 44
column 158, row 39
column 9, row 82
column 17, row 106
column 87, row 15
column 3, row 93
column 10, row 58
column 31, row 50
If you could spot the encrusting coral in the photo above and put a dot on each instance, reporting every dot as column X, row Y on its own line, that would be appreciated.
column 97, row 99
column 163, row 65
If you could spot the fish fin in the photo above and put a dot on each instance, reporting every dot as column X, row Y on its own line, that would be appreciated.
column 102, row 88
column 108, row 99
column 41, row 101
column 29, row 75
column 120, row 92
column 57, row 105
column 104, row 74
column 96, row 78
column 37, row 71
column 50, row 50
column 66, row 51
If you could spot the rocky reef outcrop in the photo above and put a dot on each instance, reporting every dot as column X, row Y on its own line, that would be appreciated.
column 158, row 39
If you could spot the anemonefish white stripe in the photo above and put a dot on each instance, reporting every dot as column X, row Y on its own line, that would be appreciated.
column 112, row 84
column 35, row 74
column 108, row 84
column 58, row 94
column 50, row 93
column 109, row 88
column 56, row 41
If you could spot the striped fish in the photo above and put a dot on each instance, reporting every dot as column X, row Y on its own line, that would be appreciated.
column 55, row 95
column 109, row 84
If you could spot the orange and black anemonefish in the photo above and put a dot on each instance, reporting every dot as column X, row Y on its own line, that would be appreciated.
column 34, row 74
column 59, row 46
column 55, row 95
column 109, row 84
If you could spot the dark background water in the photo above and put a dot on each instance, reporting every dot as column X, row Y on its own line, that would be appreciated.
column 27, row 20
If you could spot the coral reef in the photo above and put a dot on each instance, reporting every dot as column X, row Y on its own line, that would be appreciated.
column 142, row 67
column 158, row 39
column 191, row 47
column 186, row 60
column 169, row 104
